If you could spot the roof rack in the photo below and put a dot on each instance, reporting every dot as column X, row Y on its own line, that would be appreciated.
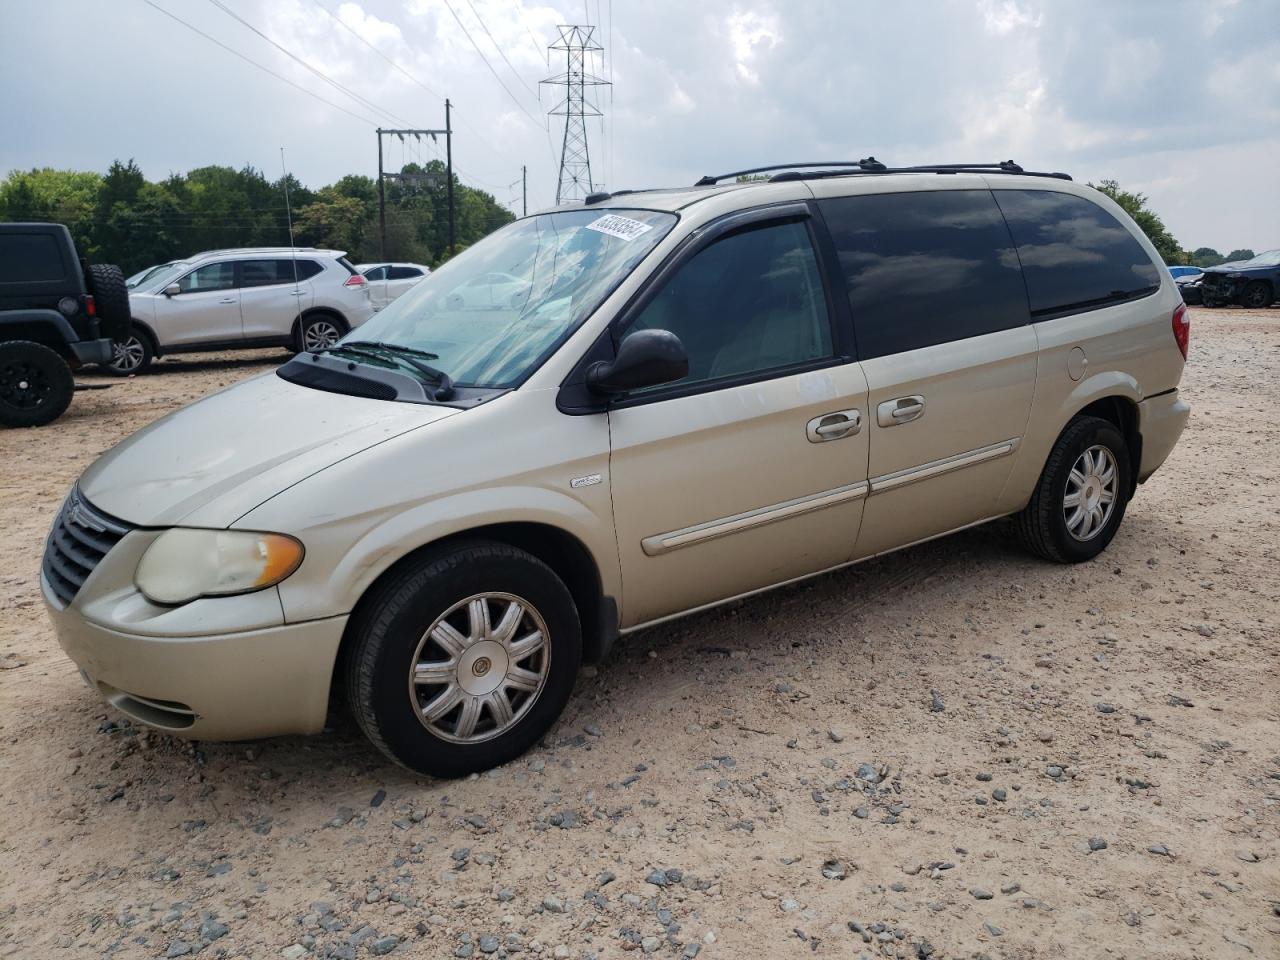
column 870, row 165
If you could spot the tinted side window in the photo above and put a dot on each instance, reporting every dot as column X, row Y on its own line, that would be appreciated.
column 377, row 273
column 306, row 269
column 1074, row 254
column 403, row 273
column 30, row 257
column 264, row 273
column 750, row 302
column 212, row 276
column 925, row 268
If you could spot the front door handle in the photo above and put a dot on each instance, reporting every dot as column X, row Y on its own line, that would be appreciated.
column 228, row 300
column 900, row 410
column 833, row 426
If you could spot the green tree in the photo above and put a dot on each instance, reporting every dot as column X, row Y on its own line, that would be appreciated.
column 1242, row 254
column 331, row 220
column 1135, row 204
column 1206, row 257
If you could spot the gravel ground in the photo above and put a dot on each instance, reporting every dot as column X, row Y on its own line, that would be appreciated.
column 953, row 751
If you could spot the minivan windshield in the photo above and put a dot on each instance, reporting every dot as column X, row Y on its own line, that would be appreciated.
column 492, row 313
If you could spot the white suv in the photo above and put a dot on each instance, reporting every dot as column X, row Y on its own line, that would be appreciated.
column 389, row 280
column 232, row 299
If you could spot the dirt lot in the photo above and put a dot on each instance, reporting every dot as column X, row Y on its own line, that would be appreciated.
column 955, row 751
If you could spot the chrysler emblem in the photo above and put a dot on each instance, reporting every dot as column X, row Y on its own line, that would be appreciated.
column 81, row 517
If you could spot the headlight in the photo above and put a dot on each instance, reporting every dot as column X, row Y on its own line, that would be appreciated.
column 182, row 564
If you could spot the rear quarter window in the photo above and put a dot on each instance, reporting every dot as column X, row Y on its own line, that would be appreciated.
column 925, row 268
column 30, row 258
column 1075, row 255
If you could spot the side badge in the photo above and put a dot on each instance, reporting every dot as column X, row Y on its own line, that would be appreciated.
column 590, row 480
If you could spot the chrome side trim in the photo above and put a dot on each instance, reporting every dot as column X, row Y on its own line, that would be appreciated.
column 699, row 533
column 667, row 618
column 935, row 468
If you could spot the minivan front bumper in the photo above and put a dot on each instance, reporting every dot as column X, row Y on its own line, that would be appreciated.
column 1160, row 421
column 228, row 686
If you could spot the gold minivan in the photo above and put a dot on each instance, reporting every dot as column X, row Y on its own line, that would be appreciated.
column 610, row 414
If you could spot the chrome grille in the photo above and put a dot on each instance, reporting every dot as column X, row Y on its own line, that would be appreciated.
column 80, row 538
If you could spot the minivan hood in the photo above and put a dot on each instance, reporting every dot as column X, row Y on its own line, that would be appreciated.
column 212, row 462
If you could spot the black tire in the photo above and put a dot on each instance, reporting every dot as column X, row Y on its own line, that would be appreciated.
column 1256, row 295
column 35, row 384
column 111, row 299
column 389, row 628
column 132, row 355
column 1043, row 524
column 309, row 328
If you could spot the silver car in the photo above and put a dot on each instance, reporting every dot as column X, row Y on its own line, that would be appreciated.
column 700, row 394
column 234, row 299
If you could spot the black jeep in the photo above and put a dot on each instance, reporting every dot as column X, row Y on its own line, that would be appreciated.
column 56, row 313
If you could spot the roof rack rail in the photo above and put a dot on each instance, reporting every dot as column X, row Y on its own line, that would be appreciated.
column 870, row 165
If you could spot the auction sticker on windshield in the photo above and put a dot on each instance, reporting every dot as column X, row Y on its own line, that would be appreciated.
column 624, row 228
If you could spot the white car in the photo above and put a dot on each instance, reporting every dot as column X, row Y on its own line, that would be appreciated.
column 488, row 291
column 233, row 299
column 389, row 280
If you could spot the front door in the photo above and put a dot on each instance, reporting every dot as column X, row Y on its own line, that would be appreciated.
column 751, row 471
column 940, row 313
column 206, row 308
column 378, row 294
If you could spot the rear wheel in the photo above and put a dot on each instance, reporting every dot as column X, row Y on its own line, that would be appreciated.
column 1080, row 500
column 35, row 384
column 319, row 332
column 130, row 356
column 463, row 660
column 1256, row 295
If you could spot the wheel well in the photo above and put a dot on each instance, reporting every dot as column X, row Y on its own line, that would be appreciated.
column 1123, row 414
column 562, row 552
column 149, row 334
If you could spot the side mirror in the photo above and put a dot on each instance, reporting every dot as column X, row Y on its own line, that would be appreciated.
column 645, row 358
column 172, row 290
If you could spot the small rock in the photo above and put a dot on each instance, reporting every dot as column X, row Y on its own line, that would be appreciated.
column 592, row 730
column 980, row 894
column 488, row 944
column 213, row 930
column 1011, row 888
column 383, row 945
column 1160, row 850
column 993, row 930
column 650, row 944
column 833, row 870
column 378, row 798
column 179, row 948
column 936, row 705
column 836, row 736
column 294, row 952
column 1105, row 707
column 553, row 904
column 1096, row 844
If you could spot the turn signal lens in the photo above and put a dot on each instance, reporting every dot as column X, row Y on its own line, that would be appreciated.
column 182, row 565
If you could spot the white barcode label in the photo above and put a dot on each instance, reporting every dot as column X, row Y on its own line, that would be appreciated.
column 624, row 228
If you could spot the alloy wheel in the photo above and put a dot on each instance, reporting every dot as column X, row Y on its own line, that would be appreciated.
column 128, row 356
column 23, row 385
column 320, row 335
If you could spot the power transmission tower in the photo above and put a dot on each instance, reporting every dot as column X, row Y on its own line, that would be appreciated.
column 575, row 158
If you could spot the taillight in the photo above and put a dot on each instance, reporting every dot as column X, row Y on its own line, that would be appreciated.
column 90, row 308
column 355, row 280
column 1182, row 328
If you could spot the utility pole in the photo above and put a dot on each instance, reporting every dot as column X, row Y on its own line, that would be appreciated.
column 524, row 191
column 448, row 153
column 382, row 202
column 575, row 158
column 431, row 179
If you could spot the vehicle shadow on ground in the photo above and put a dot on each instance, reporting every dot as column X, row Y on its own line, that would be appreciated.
column 197, row 363
column 959, row 563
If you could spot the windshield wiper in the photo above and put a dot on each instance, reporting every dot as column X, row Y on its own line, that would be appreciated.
column 393, row 348
column 443, row 382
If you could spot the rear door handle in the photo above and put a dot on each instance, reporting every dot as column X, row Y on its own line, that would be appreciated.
column 833, row 426
column 900, row 410
column 228, row 300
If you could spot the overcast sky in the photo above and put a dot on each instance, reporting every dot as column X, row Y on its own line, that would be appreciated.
column 1180, row 100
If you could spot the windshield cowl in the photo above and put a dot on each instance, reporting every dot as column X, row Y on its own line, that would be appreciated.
column 337, row 373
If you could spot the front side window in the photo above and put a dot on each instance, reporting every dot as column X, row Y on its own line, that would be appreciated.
column 1075, row 255
column 212, row 276
column 377, row 273
column 925, row 268
column 403, row 273
column 491, row 314
column 749, row 303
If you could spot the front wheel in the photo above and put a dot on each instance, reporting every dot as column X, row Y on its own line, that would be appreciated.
column 319, row 332
column 464, row 659
column 1256, row 295
column 1079, row 502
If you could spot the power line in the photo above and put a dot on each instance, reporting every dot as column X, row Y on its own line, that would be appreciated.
column 537, row 44
column 268, row 70
column 342, row 23
column 476, row 46
column 485, row 28
column 319, row 73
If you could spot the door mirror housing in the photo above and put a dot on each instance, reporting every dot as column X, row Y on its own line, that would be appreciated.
column 172, row 290
column 645, row 358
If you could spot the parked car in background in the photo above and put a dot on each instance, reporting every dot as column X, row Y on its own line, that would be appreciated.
column 489, row 291
column 56, row 313
column 1250, row 283
column 142, row 276
column 233, row 299
column 389, row 280
column 702, row 393
column 1188, row 279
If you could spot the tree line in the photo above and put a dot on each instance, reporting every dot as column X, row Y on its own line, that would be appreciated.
column 1135, row 204
column 122, row 217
